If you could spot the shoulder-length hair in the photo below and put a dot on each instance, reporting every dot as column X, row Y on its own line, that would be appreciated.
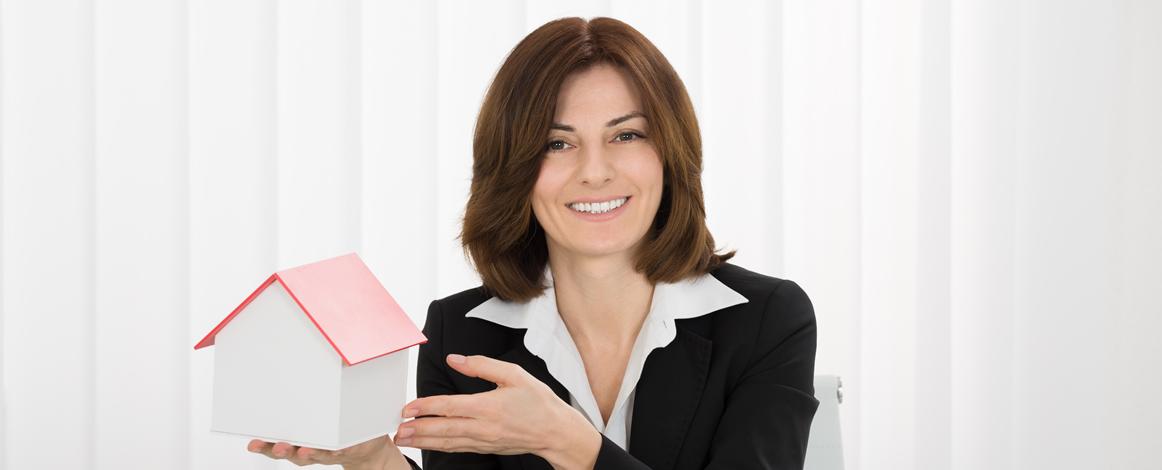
column 500, row 233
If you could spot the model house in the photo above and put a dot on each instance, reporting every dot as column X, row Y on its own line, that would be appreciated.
column 317, row 356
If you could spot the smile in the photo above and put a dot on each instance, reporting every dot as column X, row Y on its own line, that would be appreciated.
column 598, row 207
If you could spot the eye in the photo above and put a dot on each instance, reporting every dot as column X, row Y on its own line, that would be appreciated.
column 627, row 133
column 552, row 146
column 560, row 145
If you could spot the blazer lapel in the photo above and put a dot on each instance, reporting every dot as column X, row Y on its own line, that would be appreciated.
column 535, row 366
column 667, row 396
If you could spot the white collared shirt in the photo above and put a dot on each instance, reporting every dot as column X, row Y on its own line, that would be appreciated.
column 548, row 338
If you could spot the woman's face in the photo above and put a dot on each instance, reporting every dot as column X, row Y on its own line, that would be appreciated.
column 600, row 183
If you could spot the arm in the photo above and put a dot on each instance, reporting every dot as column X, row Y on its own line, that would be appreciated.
column 768, row 414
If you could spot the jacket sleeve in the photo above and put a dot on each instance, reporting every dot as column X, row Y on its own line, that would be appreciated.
column 432, row 379
column 768, row 413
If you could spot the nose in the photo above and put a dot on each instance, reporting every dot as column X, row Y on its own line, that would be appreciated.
column 596, row 168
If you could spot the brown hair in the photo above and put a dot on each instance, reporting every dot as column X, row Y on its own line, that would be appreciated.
column 505, row 242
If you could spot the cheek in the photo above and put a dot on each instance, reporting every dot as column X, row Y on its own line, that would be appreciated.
column 547, row 187
column 646, row 169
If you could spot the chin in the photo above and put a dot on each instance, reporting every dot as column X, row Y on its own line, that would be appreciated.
column 603, row 249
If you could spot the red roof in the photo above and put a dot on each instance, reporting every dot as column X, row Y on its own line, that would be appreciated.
column 349, row 306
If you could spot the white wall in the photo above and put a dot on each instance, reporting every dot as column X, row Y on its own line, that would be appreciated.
column 965, row 188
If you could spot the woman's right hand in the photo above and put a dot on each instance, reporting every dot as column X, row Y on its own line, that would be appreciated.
column 376, row 454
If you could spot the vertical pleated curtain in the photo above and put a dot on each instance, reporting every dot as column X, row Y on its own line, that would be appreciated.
column 968, row 191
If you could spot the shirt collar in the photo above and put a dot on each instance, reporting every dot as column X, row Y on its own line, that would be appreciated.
column 689, row 298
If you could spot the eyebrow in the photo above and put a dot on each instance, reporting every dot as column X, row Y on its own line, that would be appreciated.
column 611, row 123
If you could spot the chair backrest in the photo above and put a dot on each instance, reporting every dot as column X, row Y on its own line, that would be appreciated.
column 825, row 443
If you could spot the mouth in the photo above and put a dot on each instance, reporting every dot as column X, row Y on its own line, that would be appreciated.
column 599, row 210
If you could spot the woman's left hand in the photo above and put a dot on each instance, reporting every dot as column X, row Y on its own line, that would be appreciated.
column 522, row 415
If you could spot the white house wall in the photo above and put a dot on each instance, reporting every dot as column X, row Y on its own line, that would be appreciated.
column 276, row 376
column 374, row 393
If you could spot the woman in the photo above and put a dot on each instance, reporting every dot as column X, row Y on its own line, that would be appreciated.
column 606, row 321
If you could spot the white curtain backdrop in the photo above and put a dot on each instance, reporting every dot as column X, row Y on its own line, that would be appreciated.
column 967, row 189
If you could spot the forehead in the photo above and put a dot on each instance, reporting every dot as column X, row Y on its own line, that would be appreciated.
column 597, row 93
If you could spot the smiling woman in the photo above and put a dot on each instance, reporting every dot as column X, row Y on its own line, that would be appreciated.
column 574, row 96
column 607, row 332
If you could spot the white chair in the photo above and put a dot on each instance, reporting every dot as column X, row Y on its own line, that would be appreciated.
column 825, row 444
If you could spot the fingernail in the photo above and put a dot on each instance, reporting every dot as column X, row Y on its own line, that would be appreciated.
column 457, row 358
column 406, row 432
column 410, row 412
column 403, row 442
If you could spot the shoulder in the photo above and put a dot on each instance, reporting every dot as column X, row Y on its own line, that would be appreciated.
column 776, row 309
column 456, row 332
column 462, row 302
column 764, row 293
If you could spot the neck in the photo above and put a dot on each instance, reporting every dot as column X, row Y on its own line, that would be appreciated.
column 603, row 301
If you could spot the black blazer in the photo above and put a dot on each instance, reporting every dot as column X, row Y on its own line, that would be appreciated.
column 734, row 390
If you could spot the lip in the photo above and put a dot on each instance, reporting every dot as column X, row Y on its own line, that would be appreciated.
column 597, row 199
column 601, row 217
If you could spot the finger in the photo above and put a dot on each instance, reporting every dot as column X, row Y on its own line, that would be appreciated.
column 259, row 446
column 323, row 456
column 296, row 458
column 442, row 427
column 466, row 406
column 266, row 448
column 484, row 367
column 306, row 456
column 291, row 452
column 447, row 444
column 283, row 450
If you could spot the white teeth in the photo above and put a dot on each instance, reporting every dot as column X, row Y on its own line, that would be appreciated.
column 598, row 208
